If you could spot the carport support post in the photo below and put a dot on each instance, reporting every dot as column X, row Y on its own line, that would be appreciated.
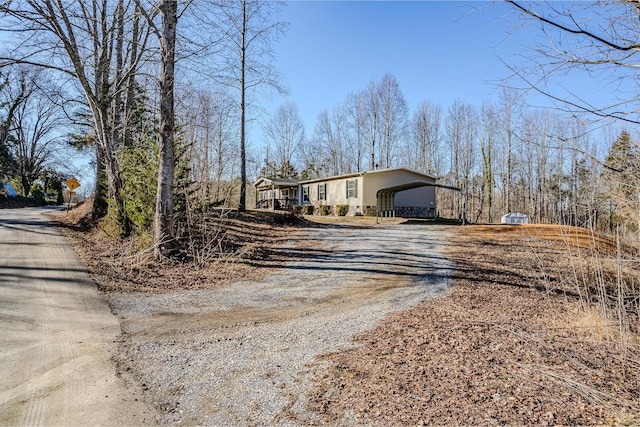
column 464, row 212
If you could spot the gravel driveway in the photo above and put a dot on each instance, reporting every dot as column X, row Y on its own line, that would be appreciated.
column 240, row 355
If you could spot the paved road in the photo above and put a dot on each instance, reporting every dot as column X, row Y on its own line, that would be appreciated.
column 58, row 334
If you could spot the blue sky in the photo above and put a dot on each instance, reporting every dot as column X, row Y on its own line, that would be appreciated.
column 438, row 51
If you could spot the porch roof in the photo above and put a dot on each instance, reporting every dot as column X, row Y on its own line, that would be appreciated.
column 263, row 182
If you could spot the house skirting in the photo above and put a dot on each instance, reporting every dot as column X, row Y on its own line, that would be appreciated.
column 402, row 212
column 414, row 212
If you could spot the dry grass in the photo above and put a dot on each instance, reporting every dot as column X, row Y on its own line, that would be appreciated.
column 511, row 345
column 235, row 247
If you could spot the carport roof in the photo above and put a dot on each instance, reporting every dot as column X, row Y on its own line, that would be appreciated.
column 410, row 185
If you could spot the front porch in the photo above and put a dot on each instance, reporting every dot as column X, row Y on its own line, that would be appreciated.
column 276, row 204
column 277, row 194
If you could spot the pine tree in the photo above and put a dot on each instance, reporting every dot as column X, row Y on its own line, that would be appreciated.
column 622, row 180
column 8, row 163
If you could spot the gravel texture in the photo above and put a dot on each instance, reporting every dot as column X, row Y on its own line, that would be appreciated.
column 241, row 354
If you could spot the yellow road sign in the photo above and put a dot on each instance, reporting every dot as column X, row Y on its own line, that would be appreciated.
column 73, row 184
column 71, row 193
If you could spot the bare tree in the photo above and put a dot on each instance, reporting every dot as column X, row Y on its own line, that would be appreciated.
column 163, row 222
column 424, row 146
column 509, row 112
column 285, row 134
column 37, row 128
column 325, row 137
column 249, row 29
column 209, row 124
column 394, row 113
column 163, row 233
column 461, row 132
column 598, row 40
column 8, row 106
column 488, row 136
column 312, row 154
column 82, row 37
column 372, row 119
column 355, row 111
column 331, row 134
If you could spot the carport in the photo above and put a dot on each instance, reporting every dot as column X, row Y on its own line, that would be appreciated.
column 385, row 206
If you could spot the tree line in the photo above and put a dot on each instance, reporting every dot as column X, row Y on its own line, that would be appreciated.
column 120, row 63
column 503, row 155
column 163, row 93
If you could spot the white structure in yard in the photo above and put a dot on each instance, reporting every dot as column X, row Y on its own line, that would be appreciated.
column 514, row 218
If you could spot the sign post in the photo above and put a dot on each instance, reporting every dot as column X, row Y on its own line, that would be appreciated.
column 72, row 184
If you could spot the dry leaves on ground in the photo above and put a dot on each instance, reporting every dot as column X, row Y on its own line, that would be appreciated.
column 515, row 342
column 247, row 246
column 502, row 348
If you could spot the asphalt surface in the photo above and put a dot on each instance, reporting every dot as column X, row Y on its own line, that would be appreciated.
column 58, row 335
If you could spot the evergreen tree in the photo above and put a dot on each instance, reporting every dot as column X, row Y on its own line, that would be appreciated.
column 287, row 170
column 622, row 181
column 8, row 163
column 139, row 176
column 623, row 164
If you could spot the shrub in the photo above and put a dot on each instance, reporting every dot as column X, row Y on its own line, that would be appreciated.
column 325, row 209
column 113, row 225
column 291, row 217
column 307, row 210
column 342, row 210
column 140, row 178
column 37, row 194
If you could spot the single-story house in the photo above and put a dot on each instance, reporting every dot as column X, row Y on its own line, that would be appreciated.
column 386, row 192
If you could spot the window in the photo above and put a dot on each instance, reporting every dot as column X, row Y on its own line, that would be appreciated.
column 284, row 194
column 352, row 188
column 305, row 194
column 322, row 191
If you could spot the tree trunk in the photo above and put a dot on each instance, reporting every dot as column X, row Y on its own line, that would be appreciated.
column 164, row 242
column 488, row 179
column 100, row 205
column 26, row 185
column 243, row 155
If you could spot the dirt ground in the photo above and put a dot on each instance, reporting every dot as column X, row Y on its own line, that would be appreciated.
column 518, row 338
column 512, row 344
column 211, row 350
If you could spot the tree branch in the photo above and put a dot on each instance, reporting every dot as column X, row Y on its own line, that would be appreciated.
column 578, row 30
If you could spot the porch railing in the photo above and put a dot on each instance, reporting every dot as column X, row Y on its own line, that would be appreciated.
column 280, row 204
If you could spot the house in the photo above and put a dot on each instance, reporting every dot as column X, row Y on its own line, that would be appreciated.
column 386, row 192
